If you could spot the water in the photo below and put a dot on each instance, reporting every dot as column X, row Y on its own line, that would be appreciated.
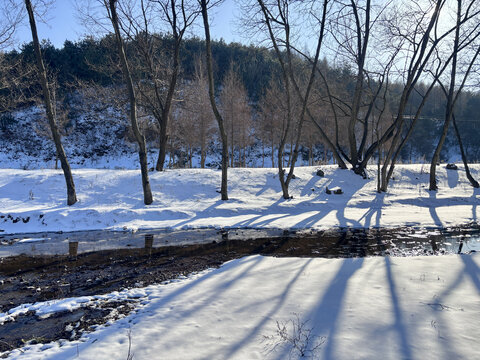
column 331, row 243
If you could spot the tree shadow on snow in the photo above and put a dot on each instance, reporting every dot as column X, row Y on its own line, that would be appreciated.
column 374, row 208
column 399, row 325
column 433, row 209
column 277, row 303
column 222, row 285
column 432, row 203
column 318, row 205
column 323, row 203
column 324, row 318
column 472, row 270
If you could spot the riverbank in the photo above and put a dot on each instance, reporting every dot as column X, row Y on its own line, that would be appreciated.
column 250, row 308
column 35, row 200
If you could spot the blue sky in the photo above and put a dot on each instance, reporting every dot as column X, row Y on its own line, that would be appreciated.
column 62, row 24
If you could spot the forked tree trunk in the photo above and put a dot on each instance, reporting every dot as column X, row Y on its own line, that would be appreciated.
column 42, row 74
column 142, row 152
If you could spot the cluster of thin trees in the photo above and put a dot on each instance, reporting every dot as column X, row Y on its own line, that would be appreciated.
column 396, row 51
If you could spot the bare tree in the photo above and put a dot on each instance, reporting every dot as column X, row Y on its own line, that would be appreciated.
column 414, row 32
column 13, row 72
column 159, row 59
column 467, row 33
column 60, row 113
column 10, row 17
column 194, row 113
column 211, row 93
column 470, row 178
column 275, row 18
column 421, row 35
column 237, row 115
column 42, row 74
column 271, row 119
column 352, row 27
column 142, row 152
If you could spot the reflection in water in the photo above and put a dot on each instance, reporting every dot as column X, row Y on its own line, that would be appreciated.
column 330, row 243
column 73, row 248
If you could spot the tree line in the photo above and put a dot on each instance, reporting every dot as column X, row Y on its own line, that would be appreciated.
column 361, row 80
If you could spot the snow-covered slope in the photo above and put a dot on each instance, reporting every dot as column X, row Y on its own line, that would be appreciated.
column 35, row 200
column 95, row 139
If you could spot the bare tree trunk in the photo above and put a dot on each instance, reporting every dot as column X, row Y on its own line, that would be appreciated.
column 190, row 155
column 168, row 101
column 202, row 143
column 311, row 154
column 172, row 154
column 379, row 160
column 71, row 194
column 263, row 155
column 436, row 155
column 202, row 157
column 162, row 152
column 211, row 94
column 147, row 192
column 289, row 162
column 232, row 149
column 273, row 153
column 464, row 156
column 244, row 156
column 450, row 103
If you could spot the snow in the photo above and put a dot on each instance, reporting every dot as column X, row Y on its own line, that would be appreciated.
column 35, row 200
column 47, row 308
column 363, row 308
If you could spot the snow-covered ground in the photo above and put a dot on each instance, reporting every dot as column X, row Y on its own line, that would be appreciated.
column 35, row 200
column 363, row 308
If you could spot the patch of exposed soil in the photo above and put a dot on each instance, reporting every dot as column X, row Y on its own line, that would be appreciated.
column 69, row 325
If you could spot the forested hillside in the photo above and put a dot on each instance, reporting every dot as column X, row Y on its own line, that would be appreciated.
column 84, row 75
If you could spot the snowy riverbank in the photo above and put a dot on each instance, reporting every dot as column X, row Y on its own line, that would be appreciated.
column 362, row 308
column 35, row 200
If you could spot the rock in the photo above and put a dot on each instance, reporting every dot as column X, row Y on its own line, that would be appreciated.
column 320, row 173
column 336, row 190
column 452, row 167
